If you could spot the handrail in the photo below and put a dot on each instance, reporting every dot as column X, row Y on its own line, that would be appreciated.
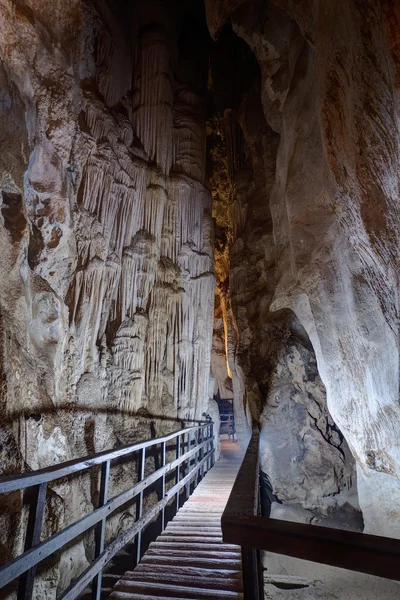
column 23, row 480
column 198, row 454
column 244, row 502
column 241, row 525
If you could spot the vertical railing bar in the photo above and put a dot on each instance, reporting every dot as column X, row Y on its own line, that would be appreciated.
column 260, row 571
column 260, row 574
column 140, row 507
column 196, row 457
column 177, row 477
column 187, row 487
column 163, row 459
column 189, row 465
column 251, row 578
column 100, row 530
column 208, row 447
column 212, row 444
column 201, row 451
column 32, row 538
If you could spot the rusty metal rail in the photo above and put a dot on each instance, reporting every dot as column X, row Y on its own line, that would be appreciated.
column 242, row 525
column 194, row 451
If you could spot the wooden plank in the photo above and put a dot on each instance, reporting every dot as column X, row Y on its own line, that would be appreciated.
column 159, row 596
column 199, row 580
column 185, row 592
column 190, row 547
column 192, row 561
column 196, row 572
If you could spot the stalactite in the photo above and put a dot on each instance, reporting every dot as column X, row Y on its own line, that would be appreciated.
column 169, row 242
column 189, row 135
column 190, row 198
column 138, row 273
column 114, row 61
column 153, row 99
column 234, row 141
column 101, row 123
column 127, row 368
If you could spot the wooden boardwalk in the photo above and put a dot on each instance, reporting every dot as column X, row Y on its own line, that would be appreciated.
column 189, row 560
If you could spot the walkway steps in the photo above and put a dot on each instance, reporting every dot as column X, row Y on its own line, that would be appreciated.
column 189, row 559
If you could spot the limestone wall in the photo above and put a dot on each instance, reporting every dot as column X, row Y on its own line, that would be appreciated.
column 329, row 92
column 106, row 240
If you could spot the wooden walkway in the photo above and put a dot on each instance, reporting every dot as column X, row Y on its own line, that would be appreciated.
column 189, row 560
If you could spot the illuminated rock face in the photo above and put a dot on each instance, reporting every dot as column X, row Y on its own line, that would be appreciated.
column 106, row 244
column 329, row 93
column 106, row 237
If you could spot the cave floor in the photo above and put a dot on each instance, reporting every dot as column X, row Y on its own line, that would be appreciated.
column 289, row 578
column 189, row 559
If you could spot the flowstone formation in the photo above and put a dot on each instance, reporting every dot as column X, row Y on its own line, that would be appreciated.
column 106, row 239
column 328, row 139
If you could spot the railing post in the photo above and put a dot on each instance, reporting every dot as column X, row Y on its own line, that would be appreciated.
column 177, row 477
column 100, row 530
column 201, row 451
column 252, row 574
column 212, row 458
column 163, row 459
column 196, row 456
column 139, row 507
column 187, row 487
column 32, row 537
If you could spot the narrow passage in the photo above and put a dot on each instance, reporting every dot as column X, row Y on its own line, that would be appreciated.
column 189, row 560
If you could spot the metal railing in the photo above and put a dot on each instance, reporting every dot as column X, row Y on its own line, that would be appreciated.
column 194, row 454
column 242, row 525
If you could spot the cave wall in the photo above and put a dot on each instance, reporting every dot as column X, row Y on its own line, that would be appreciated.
column 106, row 236
column 329, row 81
column 274, row 372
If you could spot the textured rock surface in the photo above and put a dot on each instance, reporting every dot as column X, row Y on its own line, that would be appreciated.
column 219, row 366
column 329, row 80
column 106, row 242
column 274, row 373
column 302, row 451
column 289, row 578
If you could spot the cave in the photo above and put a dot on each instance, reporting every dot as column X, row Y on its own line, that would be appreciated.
column 200, row 208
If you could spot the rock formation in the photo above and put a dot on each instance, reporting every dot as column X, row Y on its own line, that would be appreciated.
column 124, row 131
column 329, row 80
column 106, row 238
